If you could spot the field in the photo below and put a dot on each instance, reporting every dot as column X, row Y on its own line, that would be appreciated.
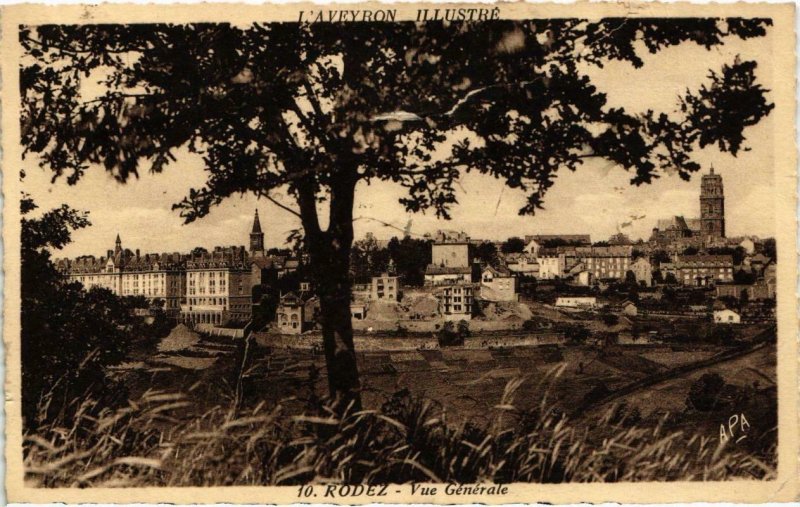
column 465, row 383
column 211, row 410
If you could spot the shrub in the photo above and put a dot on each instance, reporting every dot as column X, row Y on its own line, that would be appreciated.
column 704, row 395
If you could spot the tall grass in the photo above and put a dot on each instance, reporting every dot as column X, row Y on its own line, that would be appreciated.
column 407, row 439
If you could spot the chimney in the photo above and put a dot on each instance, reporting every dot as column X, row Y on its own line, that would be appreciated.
column 137, row 253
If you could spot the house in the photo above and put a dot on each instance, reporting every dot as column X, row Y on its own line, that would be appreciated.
column 700, row 270
column 438, row 275
column 455, row 301
column 583, row 277
column 289, row 317
column 358, row 310
column 522, row 263
column 384, row 287
column 726, row 316
column 629, row 308
column 450, row 254
column 643, row 271
column 749, row 246
column 552, row 264
column 583, row 302
column 534, row 243
column 498, row 284
column 606, row 262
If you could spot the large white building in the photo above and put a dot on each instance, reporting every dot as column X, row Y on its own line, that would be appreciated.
column 606, row 262
column 201, row 288
column 157, row 277
column 218, row 287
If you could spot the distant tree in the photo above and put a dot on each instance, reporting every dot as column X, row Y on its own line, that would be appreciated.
column 513, row 245
column 744, row 297
column 486, row 252
column 609, row 319
column 660, row 257
column 705, row 392
column 199, row 251
column 575, row 333
column 450, row 336
column 265, row 309
column 463, row 329
column 630, row 279
column 600, row 243
column 690, row 250
column 744, row 277
column 313, row 110
column 410, row 257
column 367, row 259
column 670, row 279
column 768, row 248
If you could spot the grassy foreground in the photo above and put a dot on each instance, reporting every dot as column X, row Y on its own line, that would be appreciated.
column 407, row 439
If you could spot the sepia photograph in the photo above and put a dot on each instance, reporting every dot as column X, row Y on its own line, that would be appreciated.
column 419, row 253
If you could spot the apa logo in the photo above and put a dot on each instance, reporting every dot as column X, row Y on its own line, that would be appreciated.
column 737, row 428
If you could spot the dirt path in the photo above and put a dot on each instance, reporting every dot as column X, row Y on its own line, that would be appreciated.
column 670, row 374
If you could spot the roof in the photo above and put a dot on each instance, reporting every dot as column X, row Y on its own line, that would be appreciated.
column 675, row 222
column 499, row 271
column 432, row 269
column 569, row 238
column 694, row 260
column 604, row 251
column 90, row 264
column 268, row 262
column 291, row 299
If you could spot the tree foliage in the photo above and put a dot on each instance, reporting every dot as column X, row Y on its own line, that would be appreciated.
column 316, row 109
column 69, row 335
column 513, row 245
column 284, row 103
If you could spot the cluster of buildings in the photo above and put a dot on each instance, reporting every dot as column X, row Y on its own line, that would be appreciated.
column 200, row 287
column 217, row 287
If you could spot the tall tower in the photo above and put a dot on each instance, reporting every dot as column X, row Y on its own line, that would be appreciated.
column 118, row 246
column 712, row 206
column 256, row 238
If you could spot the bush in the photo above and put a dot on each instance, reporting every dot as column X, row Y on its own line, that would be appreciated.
column 575, row 333
column 450, row 336
column 609, row 319
column 705, row 393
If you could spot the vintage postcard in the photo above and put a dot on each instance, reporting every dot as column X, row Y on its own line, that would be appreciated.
column 400, row 253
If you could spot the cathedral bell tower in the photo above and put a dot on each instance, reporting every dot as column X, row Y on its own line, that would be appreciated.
column 256, row 238
column 712, row 206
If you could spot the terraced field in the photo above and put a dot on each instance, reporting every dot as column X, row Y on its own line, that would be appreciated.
column 467, row 384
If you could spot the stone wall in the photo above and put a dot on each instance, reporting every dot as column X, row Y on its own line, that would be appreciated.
column 310, row 341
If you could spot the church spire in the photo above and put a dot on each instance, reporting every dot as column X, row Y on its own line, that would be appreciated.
column 256, row 225
column 256, row 237
column 118, row 245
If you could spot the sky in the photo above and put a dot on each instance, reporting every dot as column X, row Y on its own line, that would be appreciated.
column 597, row 199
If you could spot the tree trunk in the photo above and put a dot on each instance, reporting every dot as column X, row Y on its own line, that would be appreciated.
column 333, row 288
column 330, row 264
